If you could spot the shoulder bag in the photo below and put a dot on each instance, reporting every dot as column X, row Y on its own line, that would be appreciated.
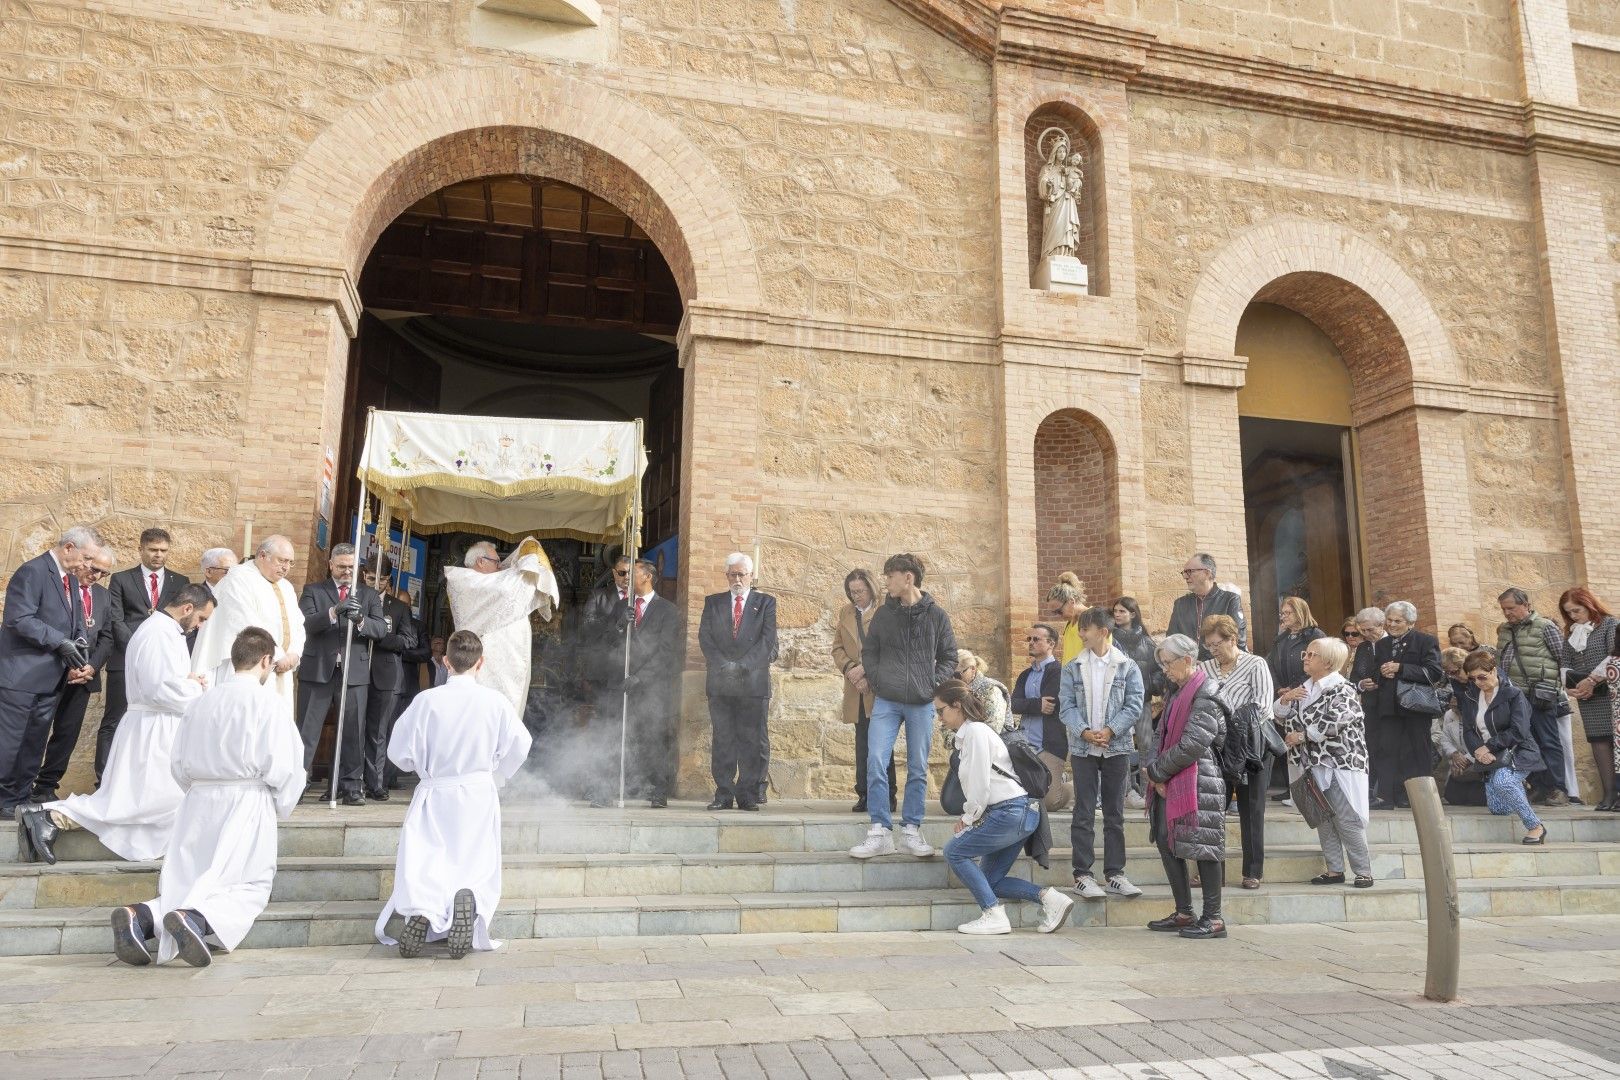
column 1309, row 800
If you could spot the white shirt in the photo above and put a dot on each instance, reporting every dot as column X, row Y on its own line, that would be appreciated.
column 982, row 786
column 1096, row 692
column 745, row 593
column 1578, row 633
column 1480, row 725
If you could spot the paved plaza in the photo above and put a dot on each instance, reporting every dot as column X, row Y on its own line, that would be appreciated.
column 1541, row 998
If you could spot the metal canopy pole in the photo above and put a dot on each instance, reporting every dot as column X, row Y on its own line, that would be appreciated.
column 348, row 630
column 630, row 549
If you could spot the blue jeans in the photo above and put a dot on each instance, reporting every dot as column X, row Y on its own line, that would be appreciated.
column 884, row 728
column 981, row 856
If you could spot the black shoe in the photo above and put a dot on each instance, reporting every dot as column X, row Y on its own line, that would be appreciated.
column 1533, row 841
column 1173, row 922
column 1402, row 804
column 129, row 942
column 859, row 807
column 1205, row 928
column 1328, row 879
column 352, row 798
column 41, row 832
column 412, row 936
column 1362, row 883
column 1383, row 804
column 748, row 806
column 1280, row 796
column 43, row 795
column 463, row 910
column 658, row 804
column 182, row 926
column 377, row 795
column 720, row 803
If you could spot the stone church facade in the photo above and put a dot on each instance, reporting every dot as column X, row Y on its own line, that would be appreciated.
column 843, row 190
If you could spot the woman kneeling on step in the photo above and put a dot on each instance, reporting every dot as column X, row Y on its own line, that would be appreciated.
column 1326, row 733
column 1496, row 730
column 998, row 816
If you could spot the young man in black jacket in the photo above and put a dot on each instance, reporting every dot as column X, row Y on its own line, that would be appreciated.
column 909, row 650
column 1034, row 702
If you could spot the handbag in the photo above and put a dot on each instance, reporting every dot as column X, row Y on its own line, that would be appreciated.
column 951, row 797
column 1418, row 697
column 1309, row 800
column 1271, row 737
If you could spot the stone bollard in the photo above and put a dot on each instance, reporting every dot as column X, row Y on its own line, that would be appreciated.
column 1439, row 887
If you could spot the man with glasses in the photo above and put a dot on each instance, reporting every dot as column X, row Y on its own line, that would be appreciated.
column 1206, row 597
column 737, row 634
column 1035, row 703
column 146, row 587
column 257, row 593
column 96, row 605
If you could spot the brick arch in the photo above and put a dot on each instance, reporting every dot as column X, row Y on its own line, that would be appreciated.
column 1386, row 329
column 418, row 136
column 1077, row 502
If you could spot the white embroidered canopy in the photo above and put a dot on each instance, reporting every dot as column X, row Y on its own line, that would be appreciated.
column 508, row 477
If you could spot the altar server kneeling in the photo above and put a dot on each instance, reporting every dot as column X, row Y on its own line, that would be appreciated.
column 464, row 740
column 240, row 762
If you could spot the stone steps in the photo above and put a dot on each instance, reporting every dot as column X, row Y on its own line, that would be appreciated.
column 350, row 922
column 304, row 879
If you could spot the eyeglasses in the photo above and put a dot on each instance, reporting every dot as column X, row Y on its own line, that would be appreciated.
column 736, row 575
column 96, row 571
column 1190, row 573
column 1480, row 677
column 488, row 558
column 1351, row 634
column 621, row 573
column 1033, row 638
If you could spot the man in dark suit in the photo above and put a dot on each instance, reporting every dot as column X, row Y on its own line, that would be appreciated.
column 329, row 609
column 95, row 604
column 737, row 634
column 137, row 592
column 387, row 677
column 657, row 653
column 39, row 651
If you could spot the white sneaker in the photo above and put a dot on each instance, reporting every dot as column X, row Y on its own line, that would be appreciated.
column 1055, row 910
column 1288, row 802
column 879, row 841
column 1135, row 801
column 1120, row 885
column 993, row 921
column 912, row 843
column 1088, row 889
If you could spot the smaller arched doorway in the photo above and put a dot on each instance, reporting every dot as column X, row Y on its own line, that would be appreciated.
column 1077, row 503
column 1299, row 486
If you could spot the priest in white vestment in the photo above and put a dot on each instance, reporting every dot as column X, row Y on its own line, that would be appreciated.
column 241, row 766
column 133, row 810
column 464, row 740
column 257, row 593
column 493, row 599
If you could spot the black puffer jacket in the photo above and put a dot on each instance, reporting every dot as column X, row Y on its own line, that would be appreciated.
column 1206, row 726
column 1137, row 644
column 909, row 651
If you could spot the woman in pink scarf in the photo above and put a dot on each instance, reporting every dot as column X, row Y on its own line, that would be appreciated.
column 1186, row 794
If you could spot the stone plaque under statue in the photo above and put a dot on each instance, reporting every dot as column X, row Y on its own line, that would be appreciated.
column 1060, row 184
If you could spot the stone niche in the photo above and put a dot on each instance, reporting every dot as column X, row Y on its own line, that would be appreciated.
column 1086, row 273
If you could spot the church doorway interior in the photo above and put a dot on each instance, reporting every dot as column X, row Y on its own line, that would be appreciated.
column 526, row 297
column 1299, row 476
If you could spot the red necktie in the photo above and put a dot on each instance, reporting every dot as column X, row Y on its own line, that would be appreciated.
column 67, row 590
column 154, row 591
column 89, row 608
column 736, row 615
column 641, row 608
column 343, row 593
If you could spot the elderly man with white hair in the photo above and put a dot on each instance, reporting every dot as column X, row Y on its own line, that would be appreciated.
column 256, row 593
column 493, row 599
column 737, row 634
column 216, row 563
column 1408, row 662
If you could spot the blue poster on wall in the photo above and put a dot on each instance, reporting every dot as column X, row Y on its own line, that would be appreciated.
column 665, row 556
column 409, row 570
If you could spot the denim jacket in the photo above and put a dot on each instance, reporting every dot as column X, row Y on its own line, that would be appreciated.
column 1125, row 702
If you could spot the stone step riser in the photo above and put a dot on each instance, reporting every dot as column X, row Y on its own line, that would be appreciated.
column 315, row 839
column 90, row 934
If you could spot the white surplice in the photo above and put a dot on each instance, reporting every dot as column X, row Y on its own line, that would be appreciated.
column 496, row 607
column 133, row 810
column 241, row 766
column 464, row 741
column 247, row 598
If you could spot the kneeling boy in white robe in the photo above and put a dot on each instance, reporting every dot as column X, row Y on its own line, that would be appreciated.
column 132, row 812
column 464, row 740
column 240, row 763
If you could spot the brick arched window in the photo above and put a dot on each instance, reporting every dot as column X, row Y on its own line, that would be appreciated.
column 1077, row 503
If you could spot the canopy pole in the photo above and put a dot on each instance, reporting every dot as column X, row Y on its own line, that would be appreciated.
column 348, row 629
column 631, row 533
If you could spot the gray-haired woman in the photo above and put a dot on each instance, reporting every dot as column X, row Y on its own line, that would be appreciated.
column 1405, row 655
column 1187, row 797
column 1327, row 736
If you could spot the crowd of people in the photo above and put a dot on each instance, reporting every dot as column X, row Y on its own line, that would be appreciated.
column 1189, row 726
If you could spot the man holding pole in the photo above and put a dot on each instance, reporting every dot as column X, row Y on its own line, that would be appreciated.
column 341, row 620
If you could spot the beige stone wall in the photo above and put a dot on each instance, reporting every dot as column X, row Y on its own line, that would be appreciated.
column 1454, row 46
column 1597, row 75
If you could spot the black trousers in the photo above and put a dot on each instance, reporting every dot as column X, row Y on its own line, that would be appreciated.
column 650, row 755
column 65, row 728
column 863, row 727
column 1550, row 741
column 1209, row 871
column 25, row 726
column 1411, row 754
column 114, row 706
column 380, row 714
column 314, row 702
column 1251, row 804
column 739, row 749
column 1111, row 775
